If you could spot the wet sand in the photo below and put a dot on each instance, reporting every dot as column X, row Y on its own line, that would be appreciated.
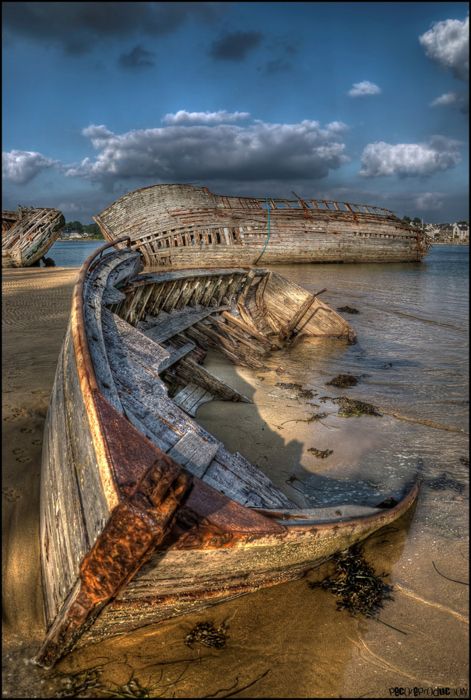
column 288, row 641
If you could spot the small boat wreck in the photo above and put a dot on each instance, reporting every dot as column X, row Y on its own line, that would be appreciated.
column 187, row 226
column 144, row 514
column 27, row 235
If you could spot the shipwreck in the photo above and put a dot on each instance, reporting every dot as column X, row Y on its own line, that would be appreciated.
column 27, row 235
column 144, row 514
column 183, row 225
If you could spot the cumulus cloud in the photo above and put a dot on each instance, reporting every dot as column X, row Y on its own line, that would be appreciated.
column 77, row 26
column 365, row 87
column 409, row 159
column 234, row 46
column 447, row 43
column 22, row 166
column 454, row 99
column 229, row 152
column 184, row 117
column 137, row 58
column 448, row 98
column 429, row 201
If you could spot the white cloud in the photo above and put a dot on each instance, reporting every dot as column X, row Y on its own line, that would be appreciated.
column 98, row 134
column 68, row 207
column 229, row 152
column 22, row 166
column 448, row 98
column 447, row 43
column 456, row 99
column 365, row 87
column 429, row 201
column 184, row 117
column 409, row 159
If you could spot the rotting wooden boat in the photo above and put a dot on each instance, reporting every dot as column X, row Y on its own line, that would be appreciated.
column 144, row 514
column 9, row 218
column 186, row 226
column 28, row 233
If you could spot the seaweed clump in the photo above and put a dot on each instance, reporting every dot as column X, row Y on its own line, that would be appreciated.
column 322, row 454
column 343, row 380
column 358, row 589
column 348, row 309
column 207, row 634
column 315, row 417
column 301, row 392
column 443, row 482
column 79, row 684
column 353, row 407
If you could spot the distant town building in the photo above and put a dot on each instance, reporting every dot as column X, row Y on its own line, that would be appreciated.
column 457, row 233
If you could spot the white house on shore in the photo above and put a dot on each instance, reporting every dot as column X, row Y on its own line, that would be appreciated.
column 448, row 233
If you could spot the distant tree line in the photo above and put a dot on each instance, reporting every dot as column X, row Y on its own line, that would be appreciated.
column 415, row 220
column 91, row 230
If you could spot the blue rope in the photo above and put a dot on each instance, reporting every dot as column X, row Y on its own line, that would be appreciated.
column 268, row 233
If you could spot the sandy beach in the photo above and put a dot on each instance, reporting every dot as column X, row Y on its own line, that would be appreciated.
column 288, row 641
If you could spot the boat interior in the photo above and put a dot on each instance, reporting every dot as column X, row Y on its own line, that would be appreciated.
column 149, row 333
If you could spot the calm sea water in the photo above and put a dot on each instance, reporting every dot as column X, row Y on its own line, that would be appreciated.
column 72, row 253
column 412, row 360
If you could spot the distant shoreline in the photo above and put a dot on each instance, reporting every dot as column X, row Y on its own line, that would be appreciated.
column 77, row 240
column 448, row 243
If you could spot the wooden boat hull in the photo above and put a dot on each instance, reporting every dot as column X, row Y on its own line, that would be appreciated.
column 185, row 226
column 28, row 234
column 136, row 527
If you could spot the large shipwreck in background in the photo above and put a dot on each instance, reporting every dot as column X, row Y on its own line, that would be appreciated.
column 27, row 235
column 182, row 226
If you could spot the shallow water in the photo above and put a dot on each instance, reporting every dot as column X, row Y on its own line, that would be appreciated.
column 72, row 253
column 411, row 359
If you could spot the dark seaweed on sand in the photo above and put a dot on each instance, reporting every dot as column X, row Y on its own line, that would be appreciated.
column 353, row 407
column 348, row 310
column 322, row 454
column 300, row 390
column 443, row 482
column 358, row 589
column 207, row 634
column 343, row 380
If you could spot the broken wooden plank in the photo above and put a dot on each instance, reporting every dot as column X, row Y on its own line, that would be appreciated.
column 176, row 355
column 189, row 371
column 191, row 397
column 176, row 322
column 194, row 453
column 122, row 336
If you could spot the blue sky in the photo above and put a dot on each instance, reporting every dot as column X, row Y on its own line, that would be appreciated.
column 361, row 102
